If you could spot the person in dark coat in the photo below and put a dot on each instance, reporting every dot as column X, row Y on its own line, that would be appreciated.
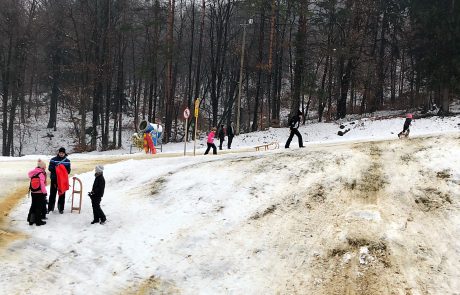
column 406, row 126
column 60, row 159
column 96, row 194
column 230, row 134
column 294, row 124
column 221, row 136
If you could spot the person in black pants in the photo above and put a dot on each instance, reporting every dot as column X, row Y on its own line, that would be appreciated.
column 230, row 134
column 407, row 124
column 60, row 159
column 221, row 135
column 294, row 124
column 38, row 193
column 96, row 195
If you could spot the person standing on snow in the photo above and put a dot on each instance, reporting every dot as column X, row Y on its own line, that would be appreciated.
column 221, row 135
column 230, row 134
column 210, row 142
column 60, row 159
column 406, row 126
column 96, row 194
column 38, row 193
column 294, row 124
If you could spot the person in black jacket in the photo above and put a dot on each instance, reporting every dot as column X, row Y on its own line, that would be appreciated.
column 60, row 159
column 230, row 134
column 221, row 135
column 294, row 123
column 96, row 195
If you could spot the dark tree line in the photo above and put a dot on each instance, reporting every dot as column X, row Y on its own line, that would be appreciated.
column 104, row 60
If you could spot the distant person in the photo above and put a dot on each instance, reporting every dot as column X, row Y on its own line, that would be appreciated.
column 294, row 123
column 210, row 142
column 221, row 135
column 38, row 194
column 60, row 159
column 96, row 194
column 407, row 124
column 230, row 134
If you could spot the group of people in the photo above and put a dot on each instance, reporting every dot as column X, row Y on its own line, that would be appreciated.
column 230, row 132
column 294, row 123
column 59, row 168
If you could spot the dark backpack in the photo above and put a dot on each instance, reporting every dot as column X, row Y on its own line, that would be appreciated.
column 34, row 185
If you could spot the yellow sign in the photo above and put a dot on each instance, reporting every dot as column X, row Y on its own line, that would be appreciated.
column 197, row 107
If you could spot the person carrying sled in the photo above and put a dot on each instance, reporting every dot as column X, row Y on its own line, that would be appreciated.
column 60, row 159
column 210, row 142
column 294, row 123
column 96, row 194
column 38, row 194
column 406, row 126
column 221, row 135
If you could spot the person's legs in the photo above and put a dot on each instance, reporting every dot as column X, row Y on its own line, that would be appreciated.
column 207, row 150
column 300, row 137
column 221, row 142
column 61, row 202
column 214, row 149
column 95, row 212
column 288, row 142
column 230, row 139
column 43, row 206
column 52, row 199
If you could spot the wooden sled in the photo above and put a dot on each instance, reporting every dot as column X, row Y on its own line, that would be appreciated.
column 80, row 191
column 266, row 146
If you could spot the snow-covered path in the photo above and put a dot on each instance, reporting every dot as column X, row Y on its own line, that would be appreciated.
column 343, row 218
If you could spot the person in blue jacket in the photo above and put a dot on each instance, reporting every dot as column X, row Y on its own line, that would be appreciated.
column 60, row 159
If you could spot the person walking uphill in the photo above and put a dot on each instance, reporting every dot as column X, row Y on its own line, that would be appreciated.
column 294, row 123
column 210, row 142
column 38, row 193
column 60, row 159
column 96, row 194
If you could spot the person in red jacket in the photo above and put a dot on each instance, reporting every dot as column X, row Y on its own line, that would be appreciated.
column 60, row 159
column 38, row 193
column 210, row 142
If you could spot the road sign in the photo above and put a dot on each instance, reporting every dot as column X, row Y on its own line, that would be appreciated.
column 197, row 107
column 186, row 113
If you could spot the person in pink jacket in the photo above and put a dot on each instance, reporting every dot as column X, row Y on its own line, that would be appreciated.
column 210, row 142
column 38, row 191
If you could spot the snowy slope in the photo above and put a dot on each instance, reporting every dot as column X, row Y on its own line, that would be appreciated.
column 260, row 222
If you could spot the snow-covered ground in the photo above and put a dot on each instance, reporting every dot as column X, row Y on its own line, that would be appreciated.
column 364, row 213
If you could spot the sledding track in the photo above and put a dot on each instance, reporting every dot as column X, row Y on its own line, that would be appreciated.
column 349, row 218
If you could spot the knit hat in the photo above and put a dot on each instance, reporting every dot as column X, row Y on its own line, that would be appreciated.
column 409, row 116
column 99, row 169
column 41, row 164
column 62, row 150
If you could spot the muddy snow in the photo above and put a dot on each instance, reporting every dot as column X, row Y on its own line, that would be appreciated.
column 376, row 217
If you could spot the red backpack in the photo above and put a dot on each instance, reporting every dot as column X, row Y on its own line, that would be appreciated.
column 35, row 183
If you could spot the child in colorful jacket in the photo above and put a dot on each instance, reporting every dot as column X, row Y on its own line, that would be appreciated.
column 210, row 142
column 38, row 193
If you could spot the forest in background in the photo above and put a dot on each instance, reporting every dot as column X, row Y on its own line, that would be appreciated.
column 105, row 60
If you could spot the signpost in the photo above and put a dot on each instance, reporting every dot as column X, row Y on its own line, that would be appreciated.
column 197, row 107
column 186, row 116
